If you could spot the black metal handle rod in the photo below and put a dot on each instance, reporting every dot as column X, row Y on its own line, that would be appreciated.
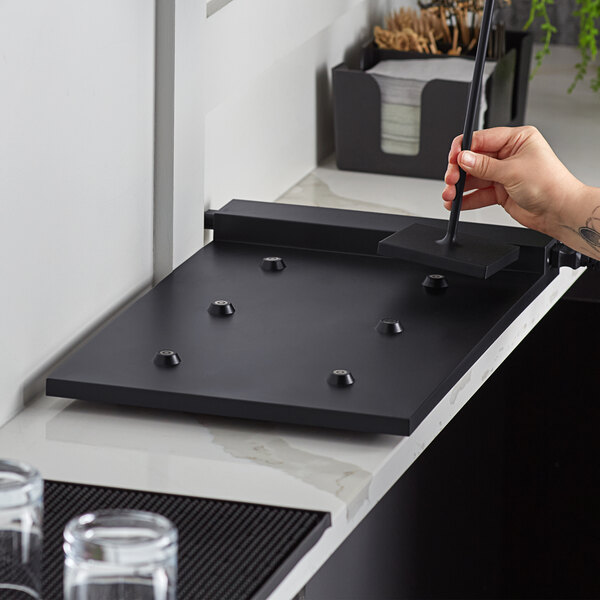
column 474, row 94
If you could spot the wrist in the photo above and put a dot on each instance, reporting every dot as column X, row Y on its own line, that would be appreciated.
column 569, row 212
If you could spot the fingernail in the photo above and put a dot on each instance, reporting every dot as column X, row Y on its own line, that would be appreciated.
column 468, row 159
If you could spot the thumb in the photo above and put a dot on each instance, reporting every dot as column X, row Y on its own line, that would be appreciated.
column 482, row 166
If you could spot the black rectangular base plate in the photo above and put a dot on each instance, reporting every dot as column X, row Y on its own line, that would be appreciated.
column 470, row 255
column 226, row 549
column 272, row 358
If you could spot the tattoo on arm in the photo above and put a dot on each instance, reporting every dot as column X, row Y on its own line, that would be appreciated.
column 590, row 232
column 591, row 236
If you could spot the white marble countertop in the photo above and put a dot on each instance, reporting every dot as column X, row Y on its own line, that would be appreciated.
column 340, row 472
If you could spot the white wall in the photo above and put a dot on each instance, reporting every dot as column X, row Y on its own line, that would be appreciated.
column 76, row 175
column 268, row 88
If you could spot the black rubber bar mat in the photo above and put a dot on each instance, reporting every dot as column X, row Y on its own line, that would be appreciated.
column 227, row 550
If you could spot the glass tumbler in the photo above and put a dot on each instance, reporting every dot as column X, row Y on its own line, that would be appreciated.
column 21, row 509
column 120, row 555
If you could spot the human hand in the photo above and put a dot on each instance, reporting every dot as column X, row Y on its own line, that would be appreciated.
column 516, row 168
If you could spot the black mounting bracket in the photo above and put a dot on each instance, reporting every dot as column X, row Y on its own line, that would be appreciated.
column 563, row 256
column 290, row 315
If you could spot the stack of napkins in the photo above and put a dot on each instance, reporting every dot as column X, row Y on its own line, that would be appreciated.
column 401, row 83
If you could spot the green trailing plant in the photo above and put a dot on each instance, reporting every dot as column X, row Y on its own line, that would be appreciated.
column 539, row 10
column 588, row 12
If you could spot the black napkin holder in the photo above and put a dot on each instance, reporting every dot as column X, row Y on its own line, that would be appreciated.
column 357, row 110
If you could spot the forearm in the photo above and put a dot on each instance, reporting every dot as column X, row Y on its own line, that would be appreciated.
column 578, row 223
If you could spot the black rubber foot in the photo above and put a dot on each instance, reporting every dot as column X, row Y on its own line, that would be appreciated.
column 435, row 283
column 166, row 358
column 340, row 378
column 272, row 263
column 389, row 327
column 221, row 308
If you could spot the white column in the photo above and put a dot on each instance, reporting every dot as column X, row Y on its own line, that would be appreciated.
column 179, row 141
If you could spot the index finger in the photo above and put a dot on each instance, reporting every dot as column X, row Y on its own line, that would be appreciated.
column 485, row 141
column 493, row 140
